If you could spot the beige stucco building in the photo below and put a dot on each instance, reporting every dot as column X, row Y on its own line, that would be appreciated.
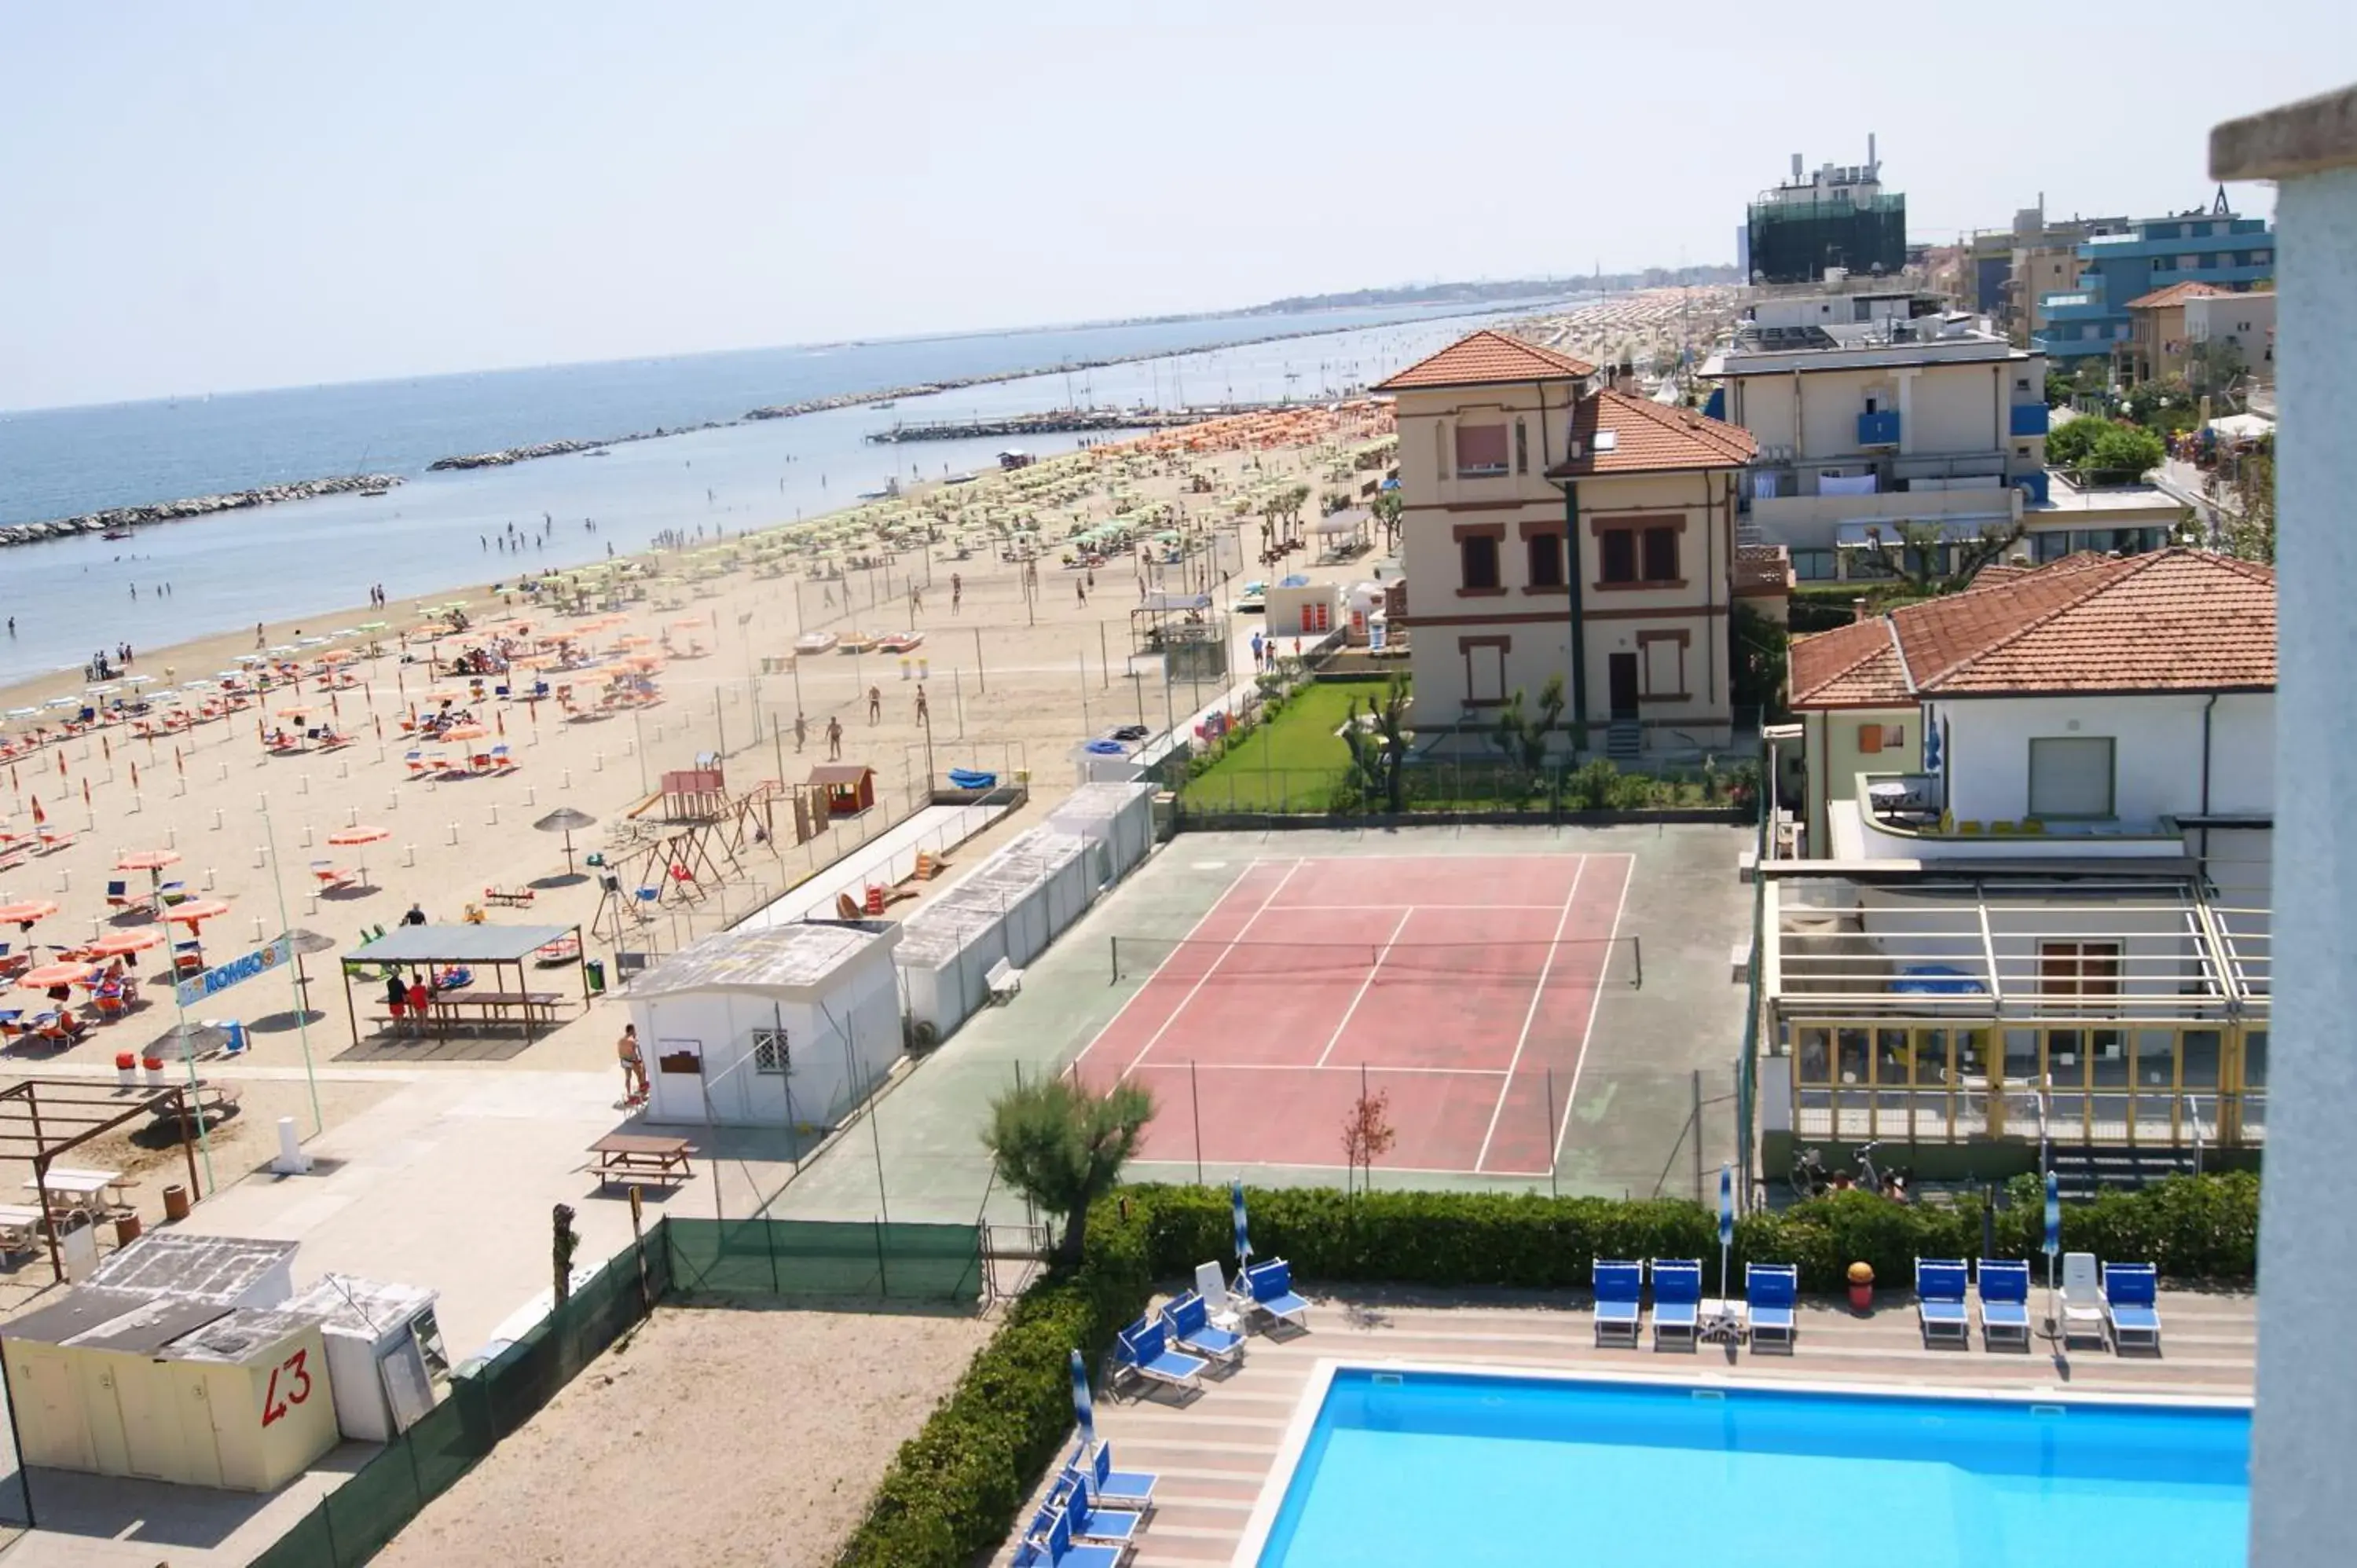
column 1507, row 451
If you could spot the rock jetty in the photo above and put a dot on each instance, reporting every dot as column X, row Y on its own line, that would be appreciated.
column 853, row 400
column 559, row 448
column 1059, row 420
column 196, row 506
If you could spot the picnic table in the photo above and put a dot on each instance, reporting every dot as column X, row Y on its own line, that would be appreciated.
column 534, row 1006
column 621, row 1154
column 77, row 1190
column 205, row 1101
column 20, row 1228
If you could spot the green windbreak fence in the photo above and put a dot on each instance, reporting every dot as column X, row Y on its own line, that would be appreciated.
column 490, row 1400
column 809, row 1257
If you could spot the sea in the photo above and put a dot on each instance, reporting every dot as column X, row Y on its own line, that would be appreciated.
column 69, row 598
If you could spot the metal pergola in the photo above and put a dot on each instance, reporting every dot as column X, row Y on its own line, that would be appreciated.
column 55, row 1116
column 431, row 946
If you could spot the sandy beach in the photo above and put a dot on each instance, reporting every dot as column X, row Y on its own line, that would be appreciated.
column 1013, row 677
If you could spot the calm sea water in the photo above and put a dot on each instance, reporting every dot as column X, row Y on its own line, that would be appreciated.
column 70, row 597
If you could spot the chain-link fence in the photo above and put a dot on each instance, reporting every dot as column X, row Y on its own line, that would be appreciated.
column 491, row 1400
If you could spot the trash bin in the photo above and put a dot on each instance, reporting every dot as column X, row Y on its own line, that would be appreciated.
column 595, row 970
column 127, row 1230
column 176, row 1202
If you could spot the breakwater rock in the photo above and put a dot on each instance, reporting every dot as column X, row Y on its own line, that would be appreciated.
column 121, row 517
column 559, row 448
column 853, row 400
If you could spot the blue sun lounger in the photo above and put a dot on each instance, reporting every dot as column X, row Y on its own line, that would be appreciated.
column 2004, row 1303
column 1144, row 1350
column 1114, row 1488
column 1769, row 1291
column 1677, row 1299
column 1049, row 1545
column 1188, row 1320
column 1619, row 1302
column 1939, row 1310
column 1091, row 1523
column 2131, row 1305
column 1271, row 1284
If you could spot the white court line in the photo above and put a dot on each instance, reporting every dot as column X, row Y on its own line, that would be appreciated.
column 1360, row 995
column 1538, row 995
column 1208, row 970
column 1588, row 1035
column 1421, row 903
column 1147, row 984
column 1304, row 1067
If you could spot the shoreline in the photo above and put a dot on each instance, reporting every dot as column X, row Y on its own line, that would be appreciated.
column 267, row 494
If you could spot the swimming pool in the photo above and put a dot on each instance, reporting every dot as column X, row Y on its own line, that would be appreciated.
column 1414, row 1466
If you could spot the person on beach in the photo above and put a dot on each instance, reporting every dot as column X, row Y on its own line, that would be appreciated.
column 634, row 1065
column 416, row 915
column 802, row 732
column 396, row 999
column 421, row 999
column 834, row 746
column 875, row 705
column 258, row 638
column 1081, row 589
column 924, row 715
column 957, row 595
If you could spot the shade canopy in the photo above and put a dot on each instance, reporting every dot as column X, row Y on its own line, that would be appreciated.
column 566, row 820
column 308, row 941
column 457, row 944
column 148, row 860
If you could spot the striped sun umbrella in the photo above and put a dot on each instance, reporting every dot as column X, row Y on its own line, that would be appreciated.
column 2053, row 1238
column 1726, row 1225
column 1236, row 1212
column 1083, row 1408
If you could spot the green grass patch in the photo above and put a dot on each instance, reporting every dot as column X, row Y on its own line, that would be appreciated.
column 1292, row 762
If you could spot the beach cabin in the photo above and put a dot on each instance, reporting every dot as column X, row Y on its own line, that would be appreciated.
column 1307, row 610
column 785, row 1025
column 850, row 787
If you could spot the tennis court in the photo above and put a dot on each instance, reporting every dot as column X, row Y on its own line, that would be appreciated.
column 1464, row 988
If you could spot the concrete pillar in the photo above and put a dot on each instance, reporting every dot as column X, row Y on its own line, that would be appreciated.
column 2303, row 1509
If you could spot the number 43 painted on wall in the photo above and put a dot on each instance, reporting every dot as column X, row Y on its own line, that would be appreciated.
column 298, row 1387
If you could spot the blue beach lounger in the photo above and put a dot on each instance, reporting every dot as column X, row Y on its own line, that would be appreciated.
column 1189, row 1319
column 1677, row 1298
column 1271, row 1284
column 1619, row 1302
column 1940, row 1309
column 1144, row 1350
column 1769, row 1291
column 1094, row 1524
column 2005, row 1304
column 1062, row 1553
column 1120, row 1489
column 2131, row 1297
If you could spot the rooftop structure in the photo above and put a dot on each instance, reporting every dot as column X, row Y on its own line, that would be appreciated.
column 1838, row 217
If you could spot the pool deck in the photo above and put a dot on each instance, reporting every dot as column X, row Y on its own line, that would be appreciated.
column 1215, row 1452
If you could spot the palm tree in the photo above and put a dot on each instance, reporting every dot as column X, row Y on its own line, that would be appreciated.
column 1062, row 1144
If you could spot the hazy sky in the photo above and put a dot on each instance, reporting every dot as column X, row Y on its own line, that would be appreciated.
column 216, row 195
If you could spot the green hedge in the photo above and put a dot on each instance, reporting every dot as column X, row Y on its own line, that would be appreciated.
column 953, row 1490
column 2194, row 1228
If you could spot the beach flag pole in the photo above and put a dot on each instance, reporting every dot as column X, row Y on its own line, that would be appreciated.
column 294, row 972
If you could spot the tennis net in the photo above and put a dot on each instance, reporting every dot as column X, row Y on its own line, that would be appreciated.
column 1572, row 960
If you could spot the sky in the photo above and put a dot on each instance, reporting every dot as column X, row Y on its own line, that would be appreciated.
column 241, row 193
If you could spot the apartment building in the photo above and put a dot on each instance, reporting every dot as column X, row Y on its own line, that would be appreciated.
column 1556, row 524
column 1876, row 409
column 2091, row 318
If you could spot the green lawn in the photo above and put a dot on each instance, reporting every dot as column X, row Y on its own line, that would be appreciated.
column 1293, row 761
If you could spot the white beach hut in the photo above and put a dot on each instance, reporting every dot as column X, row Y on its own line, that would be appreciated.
column 1119, row 817
column 785, row 1025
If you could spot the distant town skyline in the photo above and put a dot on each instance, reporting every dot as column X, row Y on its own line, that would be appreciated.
column 275, row 194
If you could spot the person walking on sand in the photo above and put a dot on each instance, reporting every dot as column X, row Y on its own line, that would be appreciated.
column 957, row 597
column 833, row 739
column 634, row 1065
column 1082, row 590
column 258, row 638
column 924, row 715
column 875, row 705
column 802, row 732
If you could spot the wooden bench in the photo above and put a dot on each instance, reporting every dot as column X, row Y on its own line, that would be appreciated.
column 1003, row 980
column 515, row 898
column 623, row 1155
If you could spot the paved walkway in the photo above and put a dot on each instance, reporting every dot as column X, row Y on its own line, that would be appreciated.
column 1214, row 1453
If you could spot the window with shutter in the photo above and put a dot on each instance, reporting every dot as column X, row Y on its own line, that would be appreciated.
column 2070, row 776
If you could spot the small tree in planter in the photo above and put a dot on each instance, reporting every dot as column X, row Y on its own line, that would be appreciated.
column 1367, row 1135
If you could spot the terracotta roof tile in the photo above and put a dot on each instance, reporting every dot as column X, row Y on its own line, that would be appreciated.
column 2176, row 294
column 2178, row 620
column 1487, row 358
column 1647, row 437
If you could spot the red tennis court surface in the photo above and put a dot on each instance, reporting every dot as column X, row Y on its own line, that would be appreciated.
column 1463, row 987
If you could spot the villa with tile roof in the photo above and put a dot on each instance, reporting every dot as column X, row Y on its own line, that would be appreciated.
column 1554, row 525
column 2028, row 897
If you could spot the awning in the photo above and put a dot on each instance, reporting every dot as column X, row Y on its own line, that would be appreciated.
column 457, row 944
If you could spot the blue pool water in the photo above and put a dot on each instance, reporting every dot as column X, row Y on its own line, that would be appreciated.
column 1412, row 1470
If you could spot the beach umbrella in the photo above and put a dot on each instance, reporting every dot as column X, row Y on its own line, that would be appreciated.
column 2053, row 1235
column 465, row 732
column 1236, row 1218
column 148, row 860
column 196, row 912
column 566, row 820
column 1726, row 1228
column 360, row 834
column 51, row 974
column 39, row 816
column 25, row 911
column 185, row 1040
column 304, row 941
column 123, row 944
column 135, row 772
column 1083, row 1407
column 85, row 791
